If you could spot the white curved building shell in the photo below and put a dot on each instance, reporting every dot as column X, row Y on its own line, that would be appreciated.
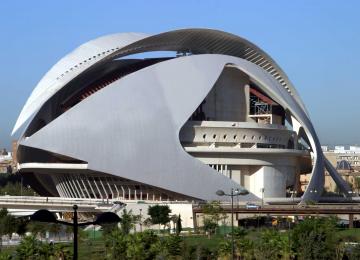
column 148, row 129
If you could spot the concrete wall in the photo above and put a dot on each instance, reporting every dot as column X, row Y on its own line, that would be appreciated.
column 274, row 180
column 184, row 209
column 229, row 98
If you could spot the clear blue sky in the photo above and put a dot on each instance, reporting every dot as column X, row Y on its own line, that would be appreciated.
column 317, row 43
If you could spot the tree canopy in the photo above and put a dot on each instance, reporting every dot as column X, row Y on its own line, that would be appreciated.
column 159, row 214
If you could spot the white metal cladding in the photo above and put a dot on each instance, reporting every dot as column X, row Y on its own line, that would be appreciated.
column 73, row 64
column 138, row 122
column 197, row 41
column 208, row 41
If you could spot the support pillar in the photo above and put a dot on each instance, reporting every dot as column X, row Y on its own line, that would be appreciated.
column 351, row 220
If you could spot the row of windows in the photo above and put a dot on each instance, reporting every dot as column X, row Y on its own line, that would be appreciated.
column 245, row 137
column 347, row 157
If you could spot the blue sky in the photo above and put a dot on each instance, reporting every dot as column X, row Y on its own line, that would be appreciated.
column 317, row 43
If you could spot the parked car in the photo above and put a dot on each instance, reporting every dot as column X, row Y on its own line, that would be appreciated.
column 250, row 205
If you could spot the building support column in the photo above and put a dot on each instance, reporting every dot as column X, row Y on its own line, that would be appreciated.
column 351, row 220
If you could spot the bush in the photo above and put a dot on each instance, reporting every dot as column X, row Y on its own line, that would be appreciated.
column 314, row 238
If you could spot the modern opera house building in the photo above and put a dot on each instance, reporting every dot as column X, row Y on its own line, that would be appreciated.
column 173, row 116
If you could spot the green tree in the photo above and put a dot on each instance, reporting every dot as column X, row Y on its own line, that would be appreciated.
column 3, row 215
column 11, row 184
column 5, row 256
column 145, row 245
column 173, row 246
column 203, row 253
column 272, row 245
column 210, row 226
column 212, row 215
column 21, row 226
column 213, row 210
column 116, row 244
column 178, row 225
column 188, row 251
column 159, row 214
column 240, row 233
column 245, row 248
column 7, row 224
column 61, row 252
column 128, row 220
column 314, row 238
column 30, row 248
column 224, row 249
column 38, row 228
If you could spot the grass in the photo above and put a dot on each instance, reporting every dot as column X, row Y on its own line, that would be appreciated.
column 92, row 249
column 350, row 234
column 204, row 241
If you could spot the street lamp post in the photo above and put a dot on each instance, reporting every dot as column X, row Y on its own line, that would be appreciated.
column 233, row 193
column 21, row 186
column 293, row 195
column 75, row 231
column 140, row 220
column 262, row 190
column 44, row 215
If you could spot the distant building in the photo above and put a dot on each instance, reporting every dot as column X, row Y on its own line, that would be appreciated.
column 324, row 148
column 340, row 153
column 14, row 146
column 347, row 163
column 6, row 162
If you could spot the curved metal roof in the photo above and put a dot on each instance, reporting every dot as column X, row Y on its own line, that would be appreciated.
column 196, row 41
column 210, row 41
column 80, row 59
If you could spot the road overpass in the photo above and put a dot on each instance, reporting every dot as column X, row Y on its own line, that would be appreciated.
column 25, row 205
column 321, row 209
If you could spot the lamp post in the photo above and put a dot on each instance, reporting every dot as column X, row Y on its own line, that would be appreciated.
column 262, row 190
column 232, row 194
column 293, row 195
column 21, row 186
column 140, row 220
column 44, row 215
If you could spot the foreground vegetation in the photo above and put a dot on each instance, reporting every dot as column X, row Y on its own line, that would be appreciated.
column 312, row 238
column 12, row 184
column 318, row 243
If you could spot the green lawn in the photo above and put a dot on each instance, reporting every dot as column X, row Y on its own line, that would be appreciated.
column 351, row 235
column 92, row 249
column 204, row 240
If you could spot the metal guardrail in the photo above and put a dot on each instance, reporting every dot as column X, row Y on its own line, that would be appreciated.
column 51, row 200
column 81, row 202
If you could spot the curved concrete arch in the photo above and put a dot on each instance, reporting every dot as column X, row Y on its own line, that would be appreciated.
column 70, row 66
column 210, row 41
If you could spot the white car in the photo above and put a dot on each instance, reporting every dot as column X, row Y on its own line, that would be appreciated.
column 250, row 205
